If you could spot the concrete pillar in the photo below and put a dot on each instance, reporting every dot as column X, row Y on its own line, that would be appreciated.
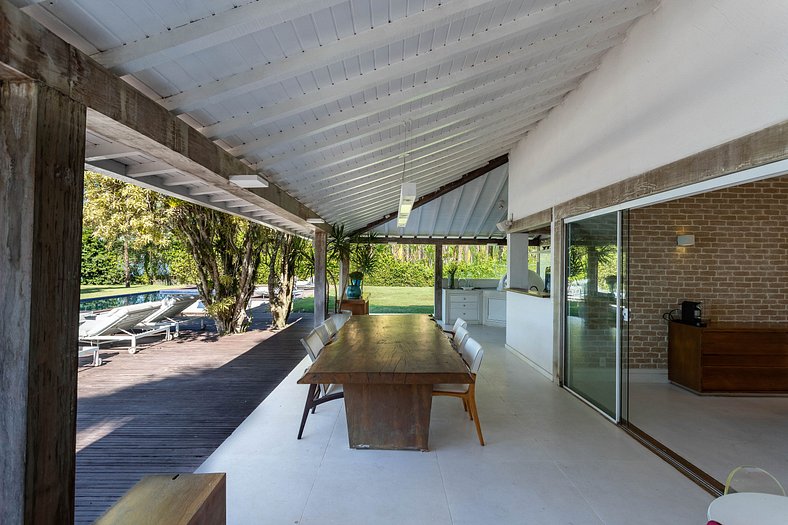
column 321, row 297
column 42, row 154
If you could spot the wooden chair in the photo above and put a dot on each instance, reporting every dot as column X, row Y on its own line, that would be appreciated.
column 318, row 394
column 472, row 354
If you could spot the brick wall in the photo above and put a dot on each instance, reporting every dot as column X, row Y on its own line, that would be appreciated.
column 738, row 266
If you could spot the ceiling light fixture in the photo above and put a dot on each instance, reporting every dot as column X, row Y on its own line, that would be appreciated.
column 249, row 181
column 407, row 194
column 407, row 197
column 315, row 220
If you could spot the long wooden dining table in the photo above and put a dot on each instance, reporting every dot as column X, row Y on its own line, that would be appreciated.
column 387, row 365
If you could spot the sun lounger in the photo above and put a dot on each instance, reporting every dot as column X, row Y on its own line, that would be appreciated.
column 122, row 324
column 93, row 351
column 169, row 309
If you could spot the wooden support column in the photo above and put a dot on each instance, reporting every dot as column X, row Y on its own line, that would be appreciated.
column 42, row 154
column 344, row 271
column 321, row 299
column 438, row 313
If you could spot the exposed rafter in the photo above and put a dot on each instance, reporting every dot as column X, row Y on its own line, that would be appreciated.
column 299, row 103
column 210, row 31
column 411, row 95
column 424, row 199
column 264, row 75
column 313, row 95
column 119, row 111
column 450, row 113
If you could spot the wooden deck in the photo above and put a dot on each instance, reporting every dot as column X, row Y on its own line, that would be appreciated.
column 168, row 407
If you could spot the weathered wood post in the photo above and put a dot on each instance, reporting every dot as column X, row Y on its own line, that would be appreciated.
column 321, row 300
column 438, row 281
column 42, row 154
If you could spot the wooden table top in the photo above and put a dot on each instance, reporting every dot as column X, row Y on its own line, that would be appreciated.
column 390, row 349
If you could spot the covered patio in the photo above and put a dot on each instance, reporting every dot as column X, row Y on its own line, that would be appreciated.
column 547, row 459
column 518, row 122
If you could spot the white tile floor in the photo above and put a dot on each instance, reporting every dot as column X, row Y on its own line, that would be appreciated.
column 549, row 459
column 717, row 433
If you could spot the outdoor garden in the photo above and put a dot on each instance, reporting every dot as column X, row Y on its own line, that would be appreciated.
column 136, row 240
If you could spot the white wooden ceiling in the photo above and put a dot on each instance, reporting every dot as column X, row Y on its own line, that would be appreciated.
column 469, row 212
column 324, row 96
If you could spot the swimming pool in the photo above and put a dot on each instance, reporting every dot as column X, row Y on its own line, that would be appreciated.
column 105, row 303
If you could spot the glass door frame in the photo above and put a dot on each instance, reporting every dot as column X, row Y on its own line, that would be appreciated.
column 621, row 310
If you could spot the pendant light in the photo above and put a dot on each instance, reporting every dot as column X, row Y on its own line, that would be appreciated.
column 407, row 194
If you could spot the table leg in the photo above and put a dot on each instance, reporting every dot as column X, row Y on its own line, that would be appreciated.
column 389, row 417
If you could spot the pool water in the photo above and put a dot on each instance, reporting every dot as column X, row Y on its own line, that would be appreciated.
column 106, row 303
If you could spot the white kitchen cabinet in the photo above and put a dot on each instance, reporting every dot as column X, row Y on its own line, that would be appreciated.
column 462, row 303
column 494, row 308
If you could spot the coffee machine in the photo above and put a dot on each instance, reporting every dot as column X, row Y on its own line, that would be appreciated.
column 691, row 313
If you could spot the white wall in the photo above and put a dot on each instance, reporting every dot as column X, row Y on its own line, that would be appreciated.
column 690, row 76
column 529, row 329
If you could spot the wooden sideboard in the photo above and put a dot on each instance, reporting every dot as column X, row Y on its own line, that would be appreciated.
column 729, row 357
column 356, row 306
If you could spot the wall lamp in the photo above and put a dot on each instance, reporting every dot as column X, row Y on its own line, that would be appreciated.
column 685, row 240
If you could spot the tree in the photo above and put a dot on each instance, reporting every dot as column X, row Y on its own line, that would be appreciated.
column 365, row 255
column 99, row 264
column 282, row 255
column 124, row 214
column 340, row 247
column 227, row 252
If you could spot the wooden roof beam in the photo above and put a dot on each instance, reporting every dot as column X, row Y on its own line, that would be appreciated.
column 122, row 113
column 396, row 70
column 204, row 33
column 412, row 95
column 439, row 240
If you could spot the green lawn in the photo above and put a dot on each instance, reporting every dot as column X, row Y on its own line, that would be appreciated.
column 91, row 291
column 384, row 300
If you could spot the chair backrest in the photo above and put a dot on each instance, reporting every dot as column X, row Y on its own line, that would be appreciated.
column 341, row 318
column 460, row 335
column 459, row 323
column 472, row 354
column 170, row 307
column 323, row 333
column 331, row 326
column 312, row 344
column 752, row 479
column 103, row 324
column 136, row 314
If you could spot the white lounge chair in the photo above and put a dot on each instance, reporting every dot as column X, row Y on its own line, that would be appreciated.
column 119, row 324
column 170, row 308
column 93, row 351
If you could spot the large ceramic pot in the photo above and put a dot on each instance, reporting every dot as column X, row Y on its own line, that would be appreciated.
column 353, row 291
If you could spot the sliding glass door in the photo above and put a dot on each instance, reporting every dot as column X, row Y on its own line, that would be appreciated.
column 595, row 310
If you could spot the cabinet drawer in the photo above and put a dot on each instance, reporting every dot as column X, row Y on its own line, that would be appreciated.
column 469, row 314
column 463, row 298
column 464, row 306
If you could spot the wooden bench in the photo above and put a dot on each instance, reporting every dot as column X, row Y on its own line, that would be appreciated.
column 172, row 499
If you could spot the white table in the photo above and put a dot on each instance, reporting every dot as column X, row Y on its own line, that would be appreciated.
column 749, row 508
